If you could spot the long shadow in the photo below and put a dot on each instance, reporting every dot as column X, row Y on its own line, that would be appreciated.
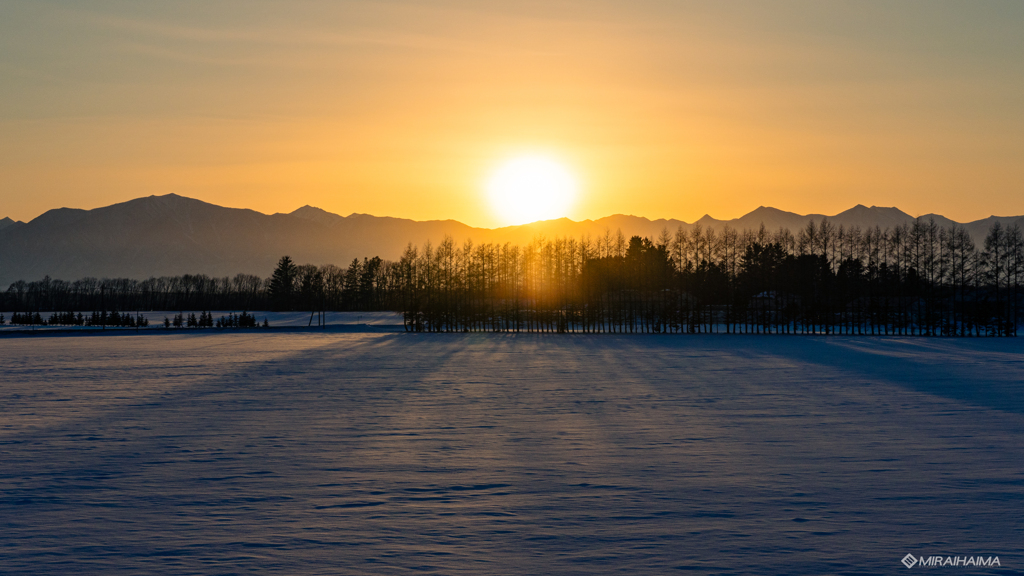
column 122, row 488
column 344, row 456
column 985, row 372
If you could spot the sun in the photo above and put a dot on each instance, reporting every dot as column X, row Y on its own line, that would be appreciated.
column 531, row 188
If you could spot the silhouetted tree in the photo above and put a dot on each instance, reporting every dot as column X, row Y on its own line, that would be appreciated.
column 282, row 284
column 919, row 279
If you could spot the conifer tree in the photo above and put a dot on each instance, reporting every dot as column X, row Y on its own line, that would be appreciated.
column 282, row 284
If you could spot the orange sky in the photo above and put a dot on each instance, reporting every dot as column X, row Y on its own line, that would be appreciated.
column 662, row 108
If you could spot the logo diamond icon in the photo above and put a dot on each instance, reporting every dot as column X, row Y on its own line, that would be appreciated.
column 909, row 561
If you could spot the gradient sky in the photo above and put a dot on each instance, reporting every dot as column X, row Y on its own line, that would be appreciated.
column 662, row 108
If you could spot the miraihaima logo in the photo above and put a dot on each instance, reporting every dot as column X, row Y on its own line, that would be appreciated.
column 911, row 561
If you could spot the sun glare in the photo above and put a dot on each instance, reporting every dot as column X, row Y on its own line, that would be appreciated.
column 531, row 188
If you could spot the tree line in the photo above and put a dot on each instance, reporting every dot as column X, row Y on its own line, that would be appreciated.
column 101, row 319
column 919, row 279
column 205, row 320
column 916, row 279
column 359, row 287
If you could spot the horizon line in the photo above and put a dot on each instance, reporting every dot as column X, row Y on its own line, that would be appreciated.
column 582, row 221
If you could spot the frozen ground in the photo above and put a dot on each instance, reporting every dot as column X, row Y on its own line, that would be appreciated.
column 356, row 453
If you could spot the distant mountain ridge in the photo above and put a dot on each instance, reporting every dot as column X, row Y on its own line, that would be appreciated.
column 7, row 223
column 172, row 235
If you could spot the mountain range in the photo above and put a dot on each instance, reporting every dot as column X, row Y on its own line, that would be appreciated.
column 172, row 235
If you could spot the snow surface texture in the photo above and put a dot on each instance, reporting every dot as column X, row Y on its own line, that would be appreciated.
column 303, row 453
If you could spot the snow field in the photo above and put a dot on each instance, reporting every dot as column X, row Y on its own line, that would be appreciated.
column 392, row 453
